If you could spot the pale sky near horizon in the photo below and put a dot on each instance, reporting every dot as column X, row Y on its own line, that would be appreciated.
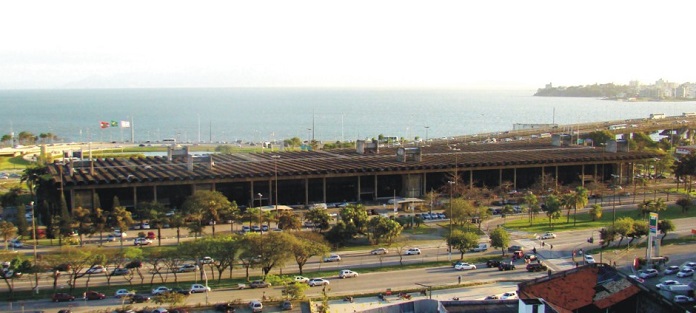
column 376, row 44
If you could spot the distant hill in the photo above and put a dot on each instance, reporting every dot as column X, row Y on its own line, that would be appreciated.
column 596, row 90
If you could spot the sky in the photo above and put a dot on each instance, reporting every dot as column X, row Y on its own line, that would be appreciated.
column 355, row 44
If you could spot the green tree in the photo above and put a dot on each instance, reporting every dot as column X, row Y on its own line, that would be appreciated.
column 639, row 230
column 383, row 229
column 271, row 249
column 461, row 211
column 306, row 245
column 65, row 222
column 208, row 206
column 500, row 238
column 553, row 208
column 595, row 212
column 7, row 231
column 339, row 234
column 320, row 218
column 121, row 218
column 579, row 199
column 177, row 221
column 83, row 218
column 355, row 216
column 289, row 221
column 99, row 219
column 463, row 241
column 22, row 224
column 623, row 227
column 600, row 137
column 532, row 204
column 665, row 226
column 685, row 203
column 171, row 298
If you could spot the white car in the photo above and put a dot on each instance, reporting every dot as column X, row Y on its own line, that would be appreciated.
column 160, row 290
column 333, row 258
column 142, row 242
column 123, row 293
column 509, row 295
column 464, row 266
column 686, row 272
column 95, row 269
column 207, row 260
column 347, row 274
column 666, row 283
column 548, row 236
column 589, row 259
column 318, row 282
column 196, row 288
column 256, row 306
column 412, row 251
column 188, row 268
column 682, row 299
column 379, row 251
column 301, row 279
column 636, row 278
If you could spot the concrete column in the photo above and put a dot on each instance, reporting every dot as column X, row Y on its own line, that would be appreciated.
column 135, row 198
column 323, row 189
column 471, row 179
column 514, row 178
column 376, row 195
column 583, row 175
column 359, row 189
column 500, row 177
column 154, row 192
column 306, row 191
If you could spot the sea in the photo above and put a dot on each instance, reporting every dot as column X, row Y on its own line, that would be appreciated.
column 227, row 115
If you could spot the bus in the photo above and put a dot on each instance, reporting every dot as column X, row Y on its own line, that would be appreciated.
column 169, row 141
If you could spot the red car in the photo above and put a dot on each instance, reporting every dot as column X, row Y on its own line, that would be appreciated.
column 62, row 297
column 93, row 295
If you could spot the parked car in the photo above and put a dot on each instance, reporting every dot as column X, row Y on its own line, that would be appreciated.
column 120, row 271
column 685, row 272
column 318, row 282
column 347, row 274
column 636, row 278
column 589, row 259
column 259, row 284
column 188, row 268
column 61, row 296
column 123, row 293
column 95, row 269
column 682, row 299
column 207, row 260
column 492, row 263
column 160, row 290
column 515, row 248
column 671, row 270
column 151, row 235
column 509, row 295
column 332, row 258
column 285, row 305
column 198, row 288
column 301, row 279
column 256, row 306
column 138, row 298
column 465, row 266
column 506, row 267
column 647, row 273
column 666, row 283
column 379, row 251
column 141, row 241
column 94, row 295
column 536, row 267
column 412, row 251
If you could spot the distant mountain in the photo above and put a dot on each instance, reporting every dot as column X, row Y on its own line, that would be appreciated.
column 596, row 91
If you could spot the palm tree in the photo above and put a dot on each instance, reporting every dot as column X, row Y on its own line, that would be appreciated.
column 7, row 230
column 579, row 200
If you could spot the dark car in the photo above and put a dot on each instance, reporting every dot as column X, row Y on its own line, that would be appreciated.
column 492, row 263
column 62, row 297
column 286, row 305
column 259, row 284
column 225, row 307
column 515, row 248
column 536, row 267
column 64, row 311
column 506, row 267
column 94, row 295
column 138, row 298
column 182, row 291
column 120, row 271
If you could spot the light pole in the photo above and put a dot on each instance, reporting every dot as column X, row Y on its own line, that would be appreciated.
column 275, row 168
column 260, row 223
column 449, row 237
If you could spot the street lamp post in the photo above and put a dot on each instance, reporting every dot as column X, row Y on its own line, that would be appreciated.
column 449, row 237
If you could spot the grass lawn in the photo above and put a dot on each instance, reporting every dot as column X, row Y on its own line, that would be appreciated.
column 541, row 222
column 13, row 163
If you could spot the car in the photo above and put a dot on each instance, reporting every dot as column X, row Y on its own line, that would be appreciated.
column 301, row 279
column 264, row 227
column 465, row 266
column 347, row 274
column 160, row 290
column 690, row 264
column 442, row 216
column 682, row 299
column 188, row 268
column 207, row 260
column 412, row 251
column 259, row 284
column 227, row 307
column 162, row 310
column 285, row 305
column 318, row 282
column 256, row 306
column 110, row 238
column 515, row 248
column 506, row 267
column 671, row 270
column 198, row 288
column 141, row 241
column 181, row 291
column 509, row 295
column 492, row 297
column 548, row 235
column 666, row 283
column 94, row 295
column 518, row 254
column 255, row 228
column 95, row 269
column 67, row 311
column 61, row 296
column 120, row 271
column 636, row 278
column 536, row 267
column 151, row 235
column 123, row 293
column 530, row 257
column 138, row 298
column 589, row 259
column 246, row 229
column 647, row 273
column 379, row 251
column 145, row 226
column 332, row 258
column 492, row 263
column 685, row 272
